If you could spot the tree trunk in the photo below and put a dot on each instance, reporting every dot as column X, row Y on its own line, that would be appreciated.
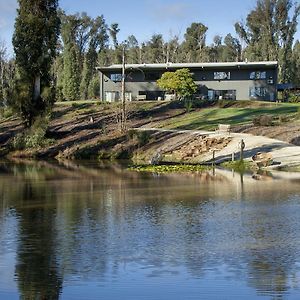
column 37, row 88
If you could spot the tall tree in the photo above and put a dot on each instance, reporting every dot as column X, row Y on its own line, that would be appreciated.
column 296, row 63
column 71, row 76
column 216, row 49
column 2, row 70
column 34, row 40
column 269, row 33
column 172, row 49
column 71, row 56
column 194, row 43
column 133, row 52
column 117, row 53
column 154, row 50
column 113, row 31
column 232, row 49
column 98, row 39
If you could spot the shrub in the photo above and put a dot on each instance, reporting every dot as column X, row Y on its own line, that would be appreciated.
column 131, row 134
column 143, row 137
column 188, row 105
column 33, row 137
column 294, row 98
column 263, row 120
column 18, row 142
column 6, row 112
column 30, row 140
column 283, row 119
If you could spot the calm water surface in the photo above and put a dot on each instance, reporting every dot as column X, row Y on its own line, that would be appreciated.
column 92, row 231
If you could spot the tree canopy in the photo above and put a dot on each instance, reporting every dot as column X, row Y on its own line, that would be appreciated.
column 34, row 41
column 269, row 33
column 180, row 82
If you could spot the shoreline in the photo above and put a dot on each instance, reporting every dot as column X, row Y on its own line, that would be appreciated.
column 174, row 143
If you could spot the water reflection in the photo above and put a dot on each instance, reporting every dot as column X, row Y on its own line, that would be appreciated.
column 94, row 224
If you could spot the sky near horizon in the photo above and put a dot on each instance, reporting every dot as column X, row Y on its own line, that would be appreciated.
column 143, row 18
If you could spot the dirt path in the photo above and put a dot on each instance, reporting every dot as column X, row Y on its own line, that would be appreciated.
column 283, row 153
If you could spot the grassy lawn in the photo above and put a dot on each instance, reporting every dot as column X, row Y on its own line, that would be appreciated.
column 234, row 112
column 209, row 118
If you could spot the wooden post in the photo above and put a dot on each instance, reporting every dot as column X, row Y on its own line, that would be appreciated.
column 123, row 113
column 214, row 157
column 242, row 150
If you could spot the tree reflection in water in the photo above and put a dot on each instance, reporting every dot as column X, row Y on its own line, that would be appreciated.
column 79, row 223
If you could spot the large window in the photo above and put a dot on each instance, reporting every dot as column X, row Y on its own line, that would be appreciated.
column 257, row 92
column 221, row 75
column 258, row 75
column 221, row 94
column 116, row 96
column 116, row 77
column 112, row 96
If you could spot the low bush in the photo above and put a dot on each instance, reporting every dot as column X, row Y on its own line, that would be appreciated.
column 263, row 120
column 6, row 112
column 142, row 137
column 33, row 137
column 284, row 119
column 131, row 133
column 294, row 98
column 30, row 140
column 188, row 105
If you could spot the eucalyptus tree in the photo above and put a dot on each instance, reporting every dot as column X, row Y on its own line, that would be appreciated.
column 34, row 40
column 154, row 49
column 216, row 49
column 133, row 50
column 82, row 38
column 296, row 63
column 172, row 48
column 232, row 49
column 194, row 47
column 98, row 41
column 3, row 62
column 71, row 56
column 269, row 33
column 117, row 53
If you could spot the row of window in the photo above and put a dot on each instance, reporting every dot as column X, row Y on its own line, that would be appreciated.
column 256, row 75
column 254, row 93
column 116, row 77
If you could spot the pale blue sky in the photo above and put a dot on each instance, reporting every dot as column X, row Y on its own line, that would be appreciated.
column 146, row 17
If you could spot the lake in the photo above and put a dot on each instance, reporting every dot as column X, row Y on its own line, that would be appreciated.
column 92, row 230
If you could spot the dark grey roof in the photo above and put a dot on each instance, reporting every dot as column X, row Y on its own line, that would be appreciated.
column 192, row 65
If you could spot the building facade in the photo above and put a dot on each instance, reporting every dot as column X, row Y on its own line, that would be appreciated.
column 234, row 80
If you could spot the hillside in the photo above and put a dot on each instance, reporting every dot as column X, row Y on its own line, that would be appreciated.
column 83, row 130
